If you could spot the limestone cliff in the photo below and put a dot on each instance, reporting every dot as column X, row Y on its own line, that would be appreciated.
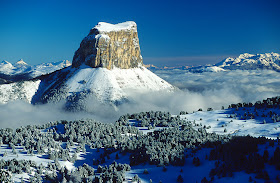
column 110, row 46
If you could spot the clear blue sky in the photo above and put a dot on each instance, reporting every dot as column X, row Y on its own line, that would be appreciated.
column 170, row 32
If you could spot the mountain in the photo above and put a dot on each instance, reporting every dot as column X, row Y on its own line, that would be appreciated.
column 46, row 68
column 246, row 61
column 22, row 71
column 103, row 67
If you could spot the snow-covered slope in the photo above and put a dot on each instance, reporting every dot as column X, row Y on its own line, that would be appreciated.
column 18, row 91
column 21, row 68
column 248, row 61
column 115, row 84
column 108, row 86
column 6, row 67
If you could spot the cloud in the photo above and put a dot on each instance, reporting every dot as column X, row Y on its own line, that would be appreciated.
column 19, row 113
column 235, row 86
column 198, row 90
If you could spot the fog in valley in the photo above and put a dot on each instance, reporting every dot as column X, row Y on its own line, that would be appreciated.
column 197, row 90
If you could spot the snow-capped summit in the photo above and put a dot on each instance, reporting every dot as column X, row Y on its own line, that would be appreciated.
column 248, row 61
column 245, row 55
column 103, row 27
column 21, row 62
column 4, row 62
column 109, row 46
column 6, row 67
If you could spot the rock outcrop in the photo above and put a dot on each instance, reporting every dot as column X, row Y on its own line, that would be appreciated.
column 110, row 46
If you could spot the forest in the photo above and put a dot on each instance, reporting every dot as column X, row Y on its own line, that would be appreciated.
column 167, row 141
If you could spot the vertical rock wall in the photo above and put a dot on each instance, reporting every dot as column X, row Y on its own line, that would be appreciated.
column 110, row 46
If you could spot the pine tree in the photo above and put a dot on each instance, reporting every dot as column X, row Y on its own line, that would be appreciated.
column 180, row 178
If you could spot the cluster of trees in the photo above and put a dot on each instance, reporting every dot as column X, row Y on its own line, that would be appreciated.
column 83, row 132
column 160, row 147
column 273, row 102
column 150, row 119
column 241, row 153
column 53, row 172
column 18, row 166
column 267, row 109
column 47, row 139
column 5, row 176
column 166, row 146
column 114, row 173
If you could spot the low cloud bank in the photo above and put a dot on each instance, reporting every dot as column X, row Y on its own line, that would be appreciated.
column 198, row 90
column 243, row 86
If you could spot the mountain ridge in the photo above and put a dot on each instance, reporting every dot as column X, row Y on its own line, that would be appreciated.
column 245, row 61
column 252, row 61
column 22, row 71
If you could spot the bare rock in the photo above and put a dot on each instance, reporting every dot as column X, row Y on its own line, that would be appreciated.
column 110, row 46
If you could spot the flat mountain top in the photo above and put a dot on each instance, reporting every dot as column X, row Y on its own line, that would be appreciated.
column 107, row 27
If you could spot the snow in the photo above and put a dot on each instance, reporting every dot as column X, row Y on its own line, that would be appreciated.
column 107, row 85
column 213, row 69
column 245, row 61
column 117, row 83
column 6, row 67
column 19, row 91
column 22, row 67
column 189, row 172
column 99, row 80
column 46, row 68
column 104, row 36
column 252, row 61
column 107, row 27
column 21, row 62
column 219, row 120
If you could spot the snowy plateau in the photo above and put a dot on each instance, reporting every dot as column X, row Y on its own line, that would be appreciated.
column 107, row 119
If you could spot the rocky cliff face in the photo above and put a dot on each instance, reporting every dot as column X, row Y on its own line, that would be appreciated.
column 110, row 46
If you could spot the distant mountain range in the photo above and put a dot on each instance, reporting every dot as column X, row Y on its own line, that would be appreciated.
column 246, row 61
column 22, row 71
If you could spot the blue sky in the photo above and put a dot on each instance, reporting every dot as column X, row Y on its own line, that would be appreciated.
column 170, row 32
